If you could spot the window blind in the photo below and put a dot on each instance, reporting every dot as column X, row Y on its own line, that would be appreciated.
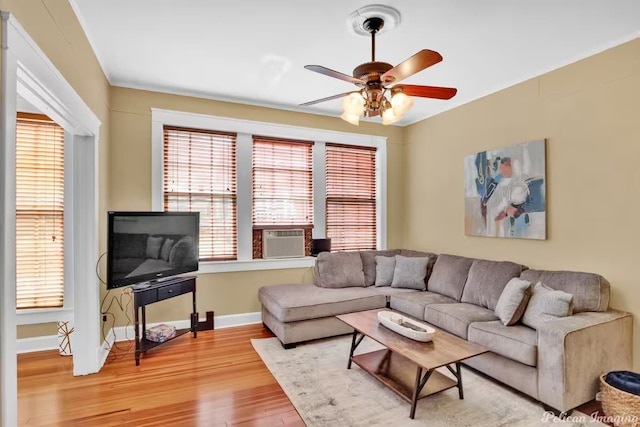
column 351, row 197
column 39, row 212
column 200, row 175
column 282, row 182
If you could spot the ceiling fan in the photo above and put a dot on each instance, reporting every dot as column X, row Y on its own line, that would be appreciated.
column 374, row 79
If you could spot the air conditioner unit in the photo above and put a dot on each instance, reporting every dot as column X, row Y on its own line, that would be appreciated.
column 282, row 243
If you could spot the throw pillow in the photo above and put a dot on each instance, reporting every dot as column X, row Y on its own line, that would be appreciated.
column 385, row 266
column 546, row 304
column 166, row 249
column 513, row 301
column 154, row 244
column 339, row 270
column 410, row 272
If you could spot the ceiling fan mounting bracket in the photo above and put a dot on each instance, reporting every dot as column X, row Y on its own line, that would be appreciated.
column 373, row 24
column 391, row 17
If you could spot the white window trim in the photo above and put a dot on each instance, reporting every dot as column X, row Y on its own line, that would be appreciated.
column 245, row 129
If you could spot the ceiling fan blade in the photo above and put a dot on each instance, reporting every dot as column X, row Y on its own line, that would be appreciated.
column 418, row 62
column 436, row 92
column 336, row 74
column 328, row 98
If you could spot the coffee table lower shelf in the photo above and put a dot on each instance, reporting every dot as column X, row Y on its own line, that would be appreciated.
column 399, row 374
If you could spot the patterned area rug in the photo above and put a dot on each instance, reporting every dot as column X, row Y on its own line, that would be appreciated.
column 315, row 378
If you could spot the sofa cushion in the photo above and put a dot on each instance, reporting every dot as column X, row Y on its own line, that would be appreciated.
column 513, row 301
column 457, row 317
column 339, row 270
column 546, row 304
column 388, row 291
column 519, row 343
column 410, row 272
column 487, row 280
column 385, row 265
column 449, row 275
column 415, row 303
column 432, row 259
column 369, row 263
column 590, row 291
column 293, row 302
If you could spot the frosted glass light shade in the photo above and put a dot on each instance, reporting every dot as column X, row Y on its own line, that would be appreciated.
column 401, row 103
column 353, row 103
column 354, row 119
column 389, row 117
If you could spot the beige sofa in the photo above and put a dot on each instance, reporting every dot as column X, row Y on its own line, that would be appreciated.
column 557, row 364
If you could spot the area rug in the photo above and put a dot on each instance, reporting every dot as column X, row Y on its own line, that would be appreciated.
column 316, row 379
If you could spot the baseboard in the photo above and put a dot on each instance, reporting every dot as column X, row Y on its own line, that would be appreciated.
column 122, row 333
column 29, row 345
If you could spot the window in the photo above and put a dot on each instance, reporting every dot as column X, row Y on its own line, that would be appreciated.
column 351, row 197
column 282, row 182
column 200, row 175
column 39, row 212
column 279, row 179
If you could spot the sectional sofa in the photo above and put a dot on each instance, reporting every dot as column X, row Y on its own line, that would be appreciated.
column 558, row 363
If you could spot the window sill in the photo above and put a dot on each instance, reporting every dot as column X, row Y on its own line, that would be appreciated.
column 255, row 264
column 43, row 315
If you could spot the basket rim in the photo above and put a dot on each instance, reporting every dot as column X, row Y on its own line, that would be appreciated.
column 603, row 382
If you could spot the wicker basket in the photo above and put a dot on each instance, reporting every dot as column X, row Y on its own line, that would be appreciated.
column 621, row 408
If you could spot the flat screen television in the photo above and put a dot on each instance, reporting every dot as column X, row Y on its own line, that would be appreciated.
column 148, row 246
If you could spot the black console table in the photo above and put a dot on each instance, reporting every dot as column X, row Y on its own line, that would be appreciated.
column 159, row 292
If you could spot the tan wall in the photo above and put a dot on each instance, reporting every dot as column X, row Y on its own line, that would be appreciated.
column 588, row 112
column 54, row 27
column 130, row 187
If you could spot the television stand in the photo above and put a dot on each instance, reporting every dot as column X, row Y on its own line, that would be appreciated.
column 160, row 291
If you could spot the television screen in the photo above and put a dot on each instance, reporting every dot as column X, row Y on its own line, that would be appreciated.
column 146, row 246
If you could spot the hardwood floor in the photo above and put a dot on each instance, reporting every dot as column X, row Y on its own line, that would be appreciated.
column 215, row 380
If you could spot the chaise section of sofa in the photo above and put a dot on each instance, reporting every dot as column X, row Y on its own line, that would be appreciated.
column 343, row 283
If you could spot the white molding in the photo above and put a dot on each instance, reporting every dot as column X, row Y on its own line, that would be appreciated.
column 8, row 334
column 244, row 197
column 227, row 124
column 27, row 72
column 255, row 264
column 90, row 39
column 319, row 159
column 45, row 315
column 44, row 343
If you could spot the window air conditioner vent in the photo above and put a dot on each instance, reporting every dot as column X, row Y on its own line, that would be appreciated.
column 282, row 243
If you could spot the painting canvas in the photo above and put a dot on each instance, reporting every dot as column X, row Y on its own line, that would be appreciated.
column 505, row 192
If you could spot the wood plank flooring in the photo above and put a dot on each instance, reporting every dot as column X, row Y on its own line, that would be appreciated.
column 215, row 380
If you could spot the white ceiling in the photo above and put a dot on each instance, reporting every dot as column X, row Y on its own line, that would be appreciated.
column 254, row 51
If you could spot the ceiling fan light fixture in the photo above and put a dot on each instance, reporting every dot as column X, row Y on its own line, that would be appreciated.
column 353, row 104
column 401, row 103
column 354, row 119
column 389, row 117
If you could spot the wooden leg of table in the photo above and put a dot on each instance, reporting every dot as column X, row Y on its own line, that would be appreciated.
column 416, row 392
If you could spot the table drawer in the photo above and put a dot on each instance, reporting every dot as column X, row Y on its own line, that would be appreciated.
column 146, row 296
column 170, row 291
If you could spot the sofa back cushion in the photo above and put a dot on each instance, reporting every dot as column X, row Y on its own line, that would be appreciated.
column 487, row 280
column 590, row 291
column 419, row 254
column 449, row 275
column 369, row 263
column 339, row 270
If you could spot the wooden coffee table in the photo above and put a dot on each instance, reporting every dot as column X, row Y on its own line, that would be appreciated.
column 406, row 366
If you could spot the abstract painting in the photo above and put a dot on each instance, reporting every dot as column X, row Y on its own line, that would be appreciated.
column 505, row 192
